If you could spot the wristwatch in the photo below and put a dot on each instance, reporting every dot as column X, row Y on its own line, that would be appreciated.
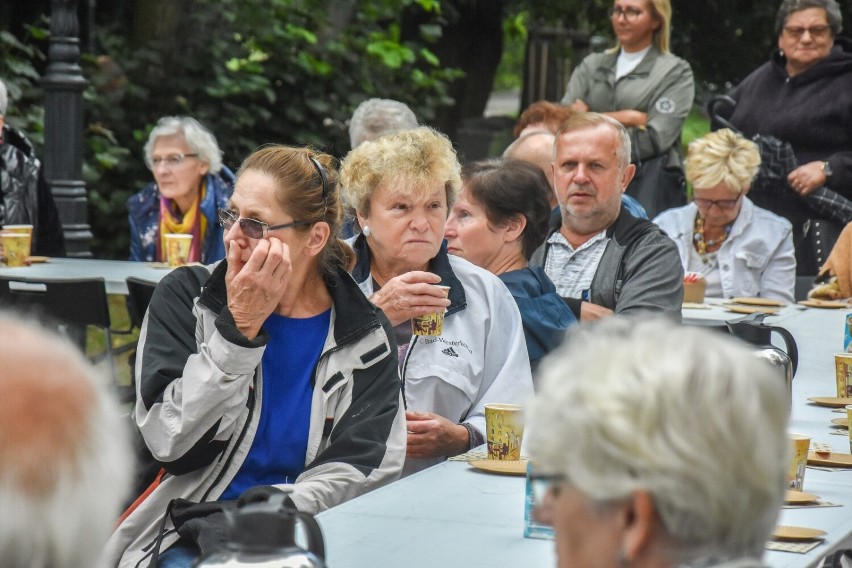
column 826, row 169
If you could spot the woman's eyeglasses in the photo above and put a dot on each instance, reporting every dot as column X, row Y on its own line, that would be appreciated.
column 720, row 203
column 817, row 32
column 252, row 228
column 542, row 485
column 170, row 161
column 630, row 14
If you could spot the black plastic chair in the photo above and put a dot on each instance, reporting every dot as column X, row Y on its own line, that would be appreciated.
column 73, row 304
column 139, row 294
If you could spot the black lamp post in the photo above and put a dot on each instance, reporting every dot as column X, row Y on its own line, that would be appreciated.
column 63, row 84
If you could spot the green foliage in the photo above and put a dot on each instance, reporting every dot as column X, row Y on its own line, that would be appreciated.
column 510, row 72
column 253, row 71
column 19, row 74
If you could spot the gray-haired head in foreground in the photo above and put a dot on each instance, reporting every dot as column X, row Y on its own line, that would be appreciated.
column 686, row 415
column 65, row 460
column 377, row 117
column 832, row 13
column 197, row 137
column 4, row 98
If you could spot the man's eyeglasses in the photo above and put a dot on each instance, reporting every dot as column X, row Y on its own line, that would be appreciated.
column 252, row 228
column 170, row 161
column 817, row 32
column 720, row 203
column 630, row 14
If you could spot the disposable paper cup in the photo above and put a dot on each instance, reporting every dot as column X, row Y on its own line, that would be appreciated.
column 693, row 292
column 843, row 374
column 504, row 431
column 849, row 421
column 430, row 324
column 798, row 462
column 16, row 247
column 26, row 229
column 178, row 246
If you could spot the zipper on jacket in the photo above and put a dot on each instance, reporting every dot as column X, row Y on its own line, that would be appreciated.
column 404, row 367
column 239, row 442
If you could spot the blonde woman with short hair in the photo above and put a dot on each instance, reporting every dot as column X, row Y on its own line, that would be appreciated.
column 739, row 248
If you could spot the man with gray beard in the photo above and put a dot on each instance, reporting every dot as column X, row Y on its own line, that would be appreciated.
column 601, row 258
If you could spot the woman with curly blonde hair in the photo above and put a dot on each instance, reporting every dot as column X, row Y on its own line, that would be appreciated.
column 402, row 186
column 740, row 249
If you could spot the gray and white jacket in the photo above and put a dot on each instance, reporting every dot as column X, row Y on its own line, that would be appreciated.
column 481, row 356
column 200, row 393
column 640, row 269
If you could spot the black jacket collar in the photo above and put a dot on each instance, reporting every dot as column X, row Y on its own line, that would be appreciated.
column 439, row 265
column 354, row 313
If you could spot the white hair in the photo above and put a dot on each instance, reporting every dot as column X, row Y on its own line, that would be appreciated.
column 65, row 458
column 377, row 117
column 4, row 99
column 197, row 137
column 687, row 415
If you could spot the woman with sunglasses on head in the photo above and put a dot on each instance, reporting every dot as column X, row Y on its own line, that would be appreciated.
column 639, row 82
column 269, row 368
column 190, row 185
column 803, row 96
column 740, row 249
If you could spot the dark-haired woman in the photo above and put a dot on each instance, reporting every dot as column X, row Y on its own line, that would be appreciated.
column 501, row 217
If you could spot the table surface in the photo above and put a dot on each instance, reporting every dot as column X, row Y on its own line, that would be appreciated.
column 454, row 515
column 113, row 272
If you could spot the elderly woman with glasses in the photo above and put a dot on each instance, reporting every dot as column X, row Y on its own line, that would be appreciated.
column 803, row 96
column 648, row 455
column 740, row 249
column 190, row 185
column 267, row 370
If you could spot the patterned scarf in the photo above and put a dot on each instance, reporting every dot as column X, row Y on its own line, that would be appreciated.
column 192, row 223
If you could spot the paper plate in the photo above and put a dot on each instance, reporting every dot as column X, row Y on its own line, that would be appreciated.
column 507, row 467
column 742, row 309
column 786, row 532
column 840, row 422
column 825, row 304
column 793, row 496
column 758, row 302
column 831, row 401
column 833, row 460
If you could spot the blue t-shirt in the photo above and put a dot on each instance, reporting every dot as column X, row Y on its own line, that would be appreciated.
column 277, row 454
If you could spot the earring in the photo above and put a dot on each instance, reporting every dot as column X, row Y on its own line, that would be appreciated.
column 781, row 52
column 365, row 231
column 622, row 559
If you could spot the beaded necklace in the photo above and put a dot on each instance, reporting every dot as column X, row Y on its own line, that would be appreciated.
column 702, row 245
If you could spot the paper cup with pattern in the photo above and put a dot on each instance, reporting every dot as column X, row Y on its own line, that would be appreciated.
column 843, row 374
column 16, row 247
column 798, row 461
column 430, row 324
column 504, row 431
column 178, row 246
